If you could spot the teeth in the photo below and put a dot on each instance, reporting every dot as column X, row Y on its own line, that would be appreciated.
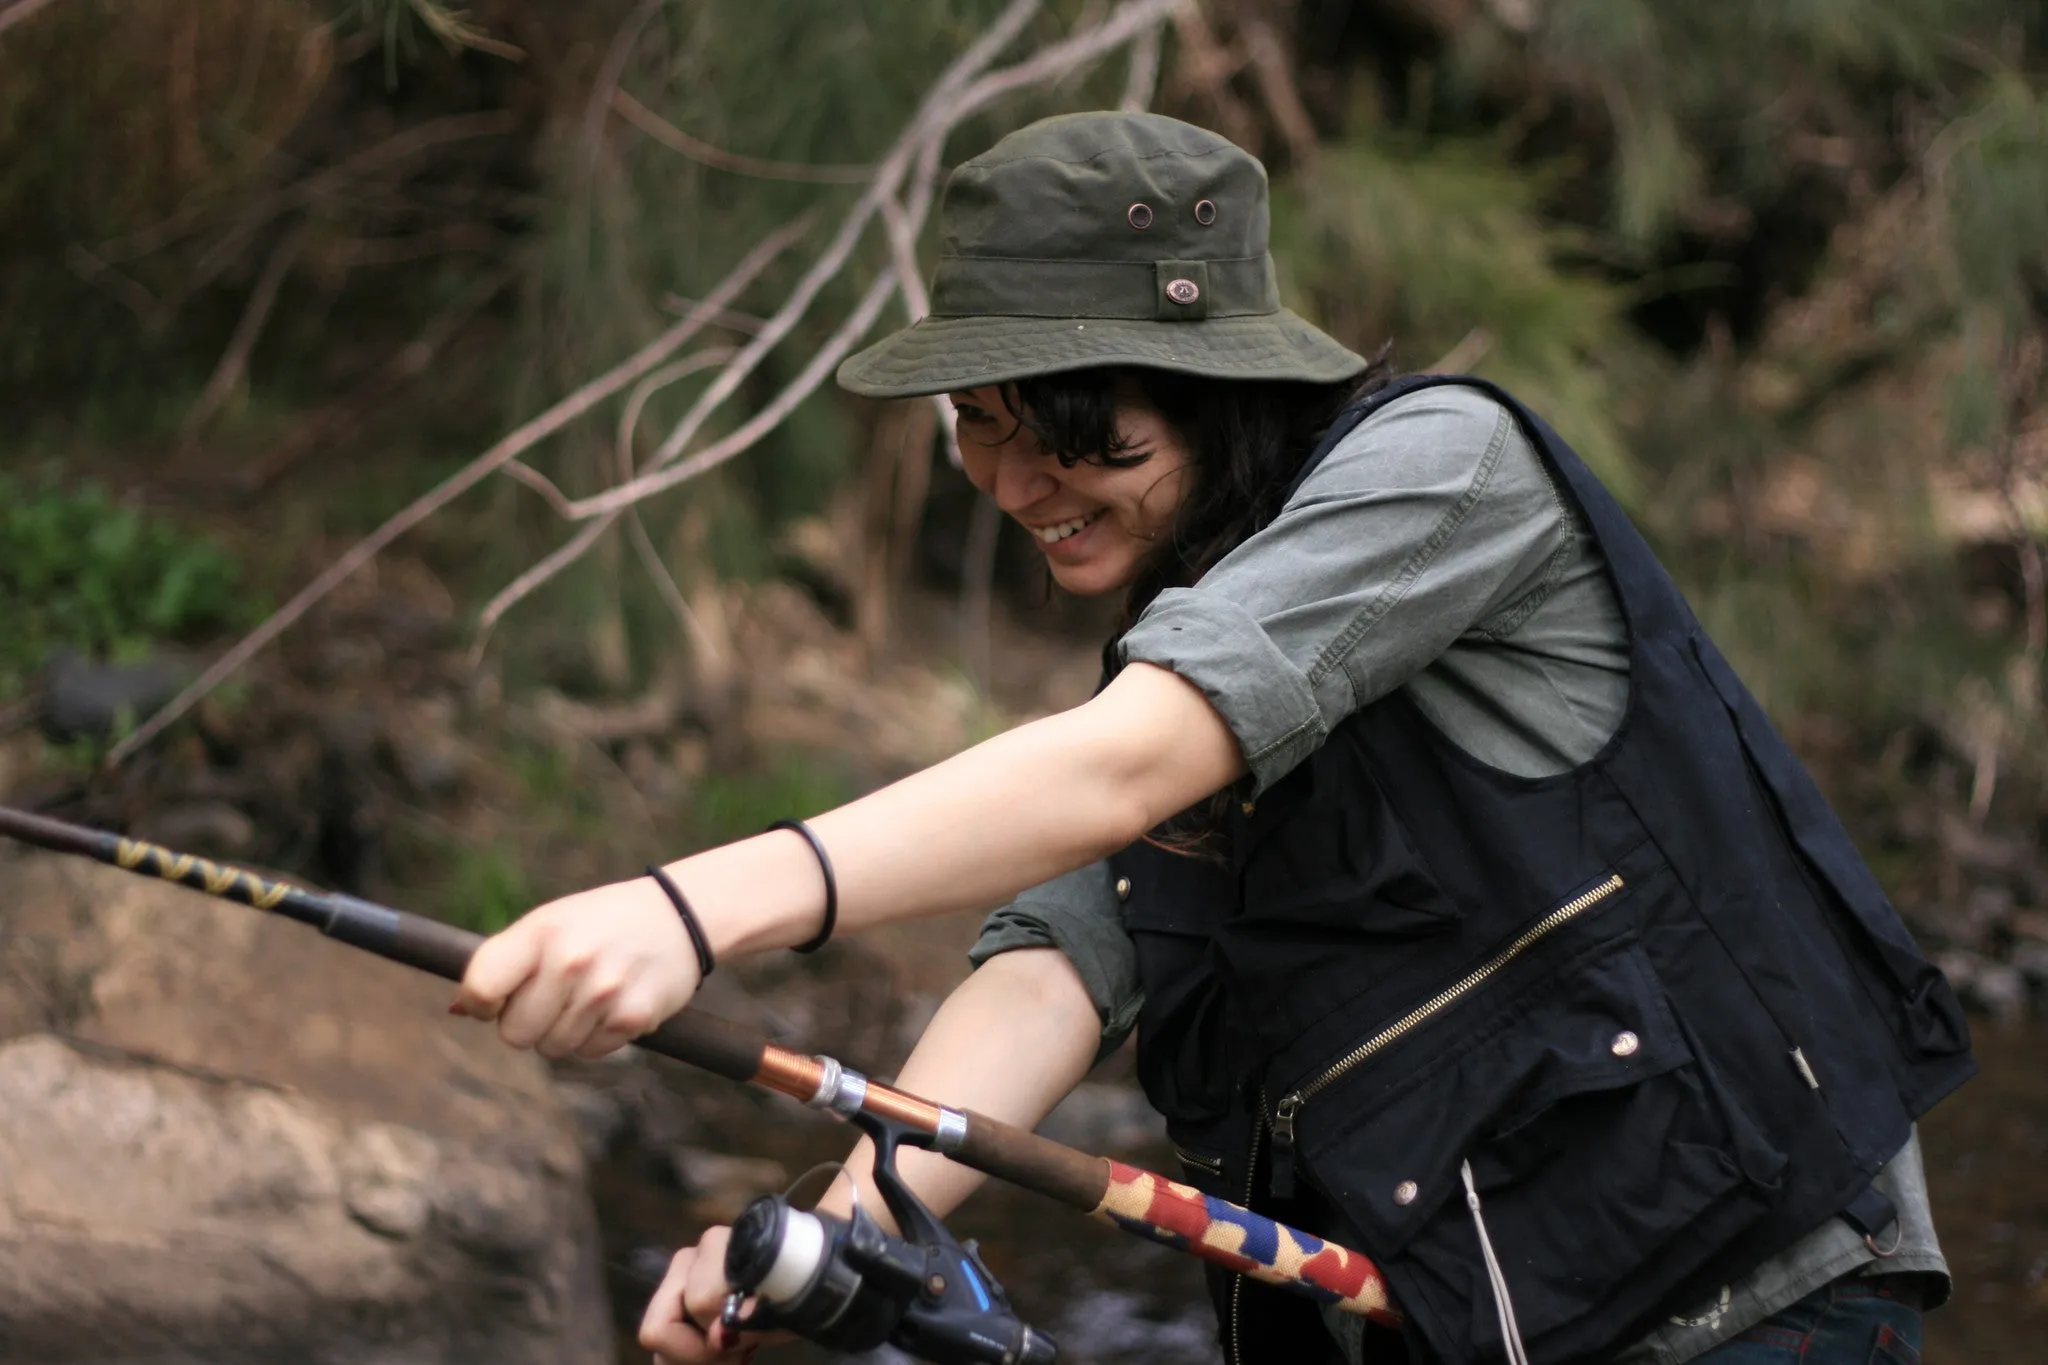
column 1053, row 534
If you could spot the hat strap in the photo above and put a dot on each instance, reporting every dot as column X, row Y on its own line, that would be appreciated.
column 1162, row 291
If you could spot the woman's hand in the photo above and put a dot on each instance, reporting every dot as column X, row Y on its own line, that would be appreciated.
column 682, row 1319
column 584, row 975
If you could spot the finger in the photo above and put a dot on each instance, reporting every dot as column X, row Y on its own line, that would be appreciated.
column 662, row 1328
column 603, row 1043
column 536, row 1005
column 497, row 968
column 633, row 1012
column 586, row 1007
column 704, row 1293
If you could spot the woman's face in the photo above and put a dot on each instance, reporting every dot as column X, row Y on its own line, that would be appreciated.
column 1094, row 524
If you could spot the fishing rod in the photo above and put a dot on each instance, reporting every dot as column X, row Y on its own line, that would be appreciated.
column 808, row 1267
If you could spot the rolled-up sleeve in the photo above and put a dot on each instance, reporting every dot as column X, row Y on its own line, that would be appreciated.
column 1431, row 519
column 1078, row 915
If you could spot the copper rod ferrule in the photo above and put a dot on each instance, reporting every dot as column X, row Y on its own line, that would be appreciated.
column 800, row 1077
column 922, row 1115
column 790, row 1073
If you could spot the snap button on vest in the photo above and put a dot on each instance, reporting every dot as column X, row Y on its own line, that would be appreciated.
column 1123, row 888
column 1626, row 1043
column 1405, row 1192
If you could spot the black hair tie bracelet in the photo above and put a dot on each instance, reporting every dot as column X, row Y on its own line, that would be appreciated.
column 831, row 882
column 705, row 961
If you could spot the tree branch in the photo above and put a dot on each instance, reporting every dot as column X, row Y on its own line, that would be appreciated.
column 20, row 11
column 711, row 456
column 931, row 121
column 514, row 444
column 704, row 154
column 234, row 362
column 1143, row 79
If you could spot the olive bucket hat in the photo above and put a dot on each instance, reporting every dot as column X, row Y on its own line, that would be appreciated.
column 1101, row 239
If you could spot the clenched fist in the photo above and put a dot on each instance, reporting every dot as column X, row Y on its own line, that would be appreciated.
column 584, row 975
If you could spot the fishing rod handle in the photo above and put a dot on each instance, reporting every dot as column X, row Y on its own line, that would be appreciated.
column 711, row 1044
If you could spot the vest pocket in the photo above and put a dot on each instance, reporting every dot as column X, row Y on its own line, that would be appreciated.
column 1609, row 1162
column 1926, row 1006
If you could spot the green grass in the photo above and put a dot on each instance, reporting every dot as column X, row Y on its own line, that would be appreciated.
column 792, row 786
column 79, row 570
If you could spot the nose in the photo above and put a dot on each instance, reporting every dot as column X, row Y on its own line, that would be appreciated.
column 1021, row 475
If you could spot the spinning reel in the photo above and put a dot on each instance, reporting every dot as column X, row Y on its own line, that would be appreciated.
column 848, row 1285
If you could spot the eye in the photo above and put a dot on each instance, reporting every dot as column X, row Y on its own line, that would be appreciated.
column 968, row 412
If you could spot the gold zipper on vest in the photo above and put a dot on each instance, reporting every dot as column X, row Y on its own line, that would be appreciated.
column 1290, row 1104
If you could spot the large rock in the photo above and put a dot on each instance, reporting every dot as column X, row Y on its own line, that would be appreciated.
column 226, row 1139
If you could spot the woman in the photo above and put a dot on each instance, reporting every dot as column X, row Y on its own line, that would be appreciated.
column 1440, row 860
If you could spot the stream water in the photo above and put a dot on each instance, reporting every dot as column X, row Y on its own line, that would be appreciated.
column 1110, row 1299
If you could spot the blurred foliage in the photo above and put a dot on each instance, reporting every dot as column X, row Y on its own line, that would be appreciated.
column 1778, row 267
column 789, row 786
column 78, row 570
column 487, row 887
column 1442, row 245
column 1731, row 99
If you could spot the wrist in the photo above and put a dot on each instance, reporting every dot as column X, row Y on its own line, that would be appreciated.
column 760, row 893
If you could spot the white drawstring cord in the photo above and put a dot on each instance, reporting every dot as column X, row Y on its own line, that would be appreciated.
column 1511, row 1335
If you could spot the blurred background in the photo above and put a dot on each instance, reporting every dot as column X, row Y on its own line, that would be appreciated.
column 321, row 321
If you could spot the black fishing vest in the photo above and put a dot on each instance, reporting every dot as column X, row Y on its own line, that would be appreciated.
column 1658, row 1001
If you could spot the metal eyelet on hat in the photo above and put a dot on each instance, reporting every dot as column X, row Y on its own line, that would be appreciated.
column 1205, row 212
column 1183, row 291
column 1140, row 216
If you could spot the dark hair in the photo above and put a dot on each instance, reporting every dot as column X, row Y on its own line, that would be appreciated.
column 1248, row 439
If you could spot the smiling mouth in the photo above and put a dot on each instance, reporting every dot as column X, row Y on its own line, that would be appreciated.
column 1053, row 535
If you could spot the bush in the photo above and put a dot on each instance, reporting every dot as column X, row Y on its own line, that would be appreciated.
column 78, row 570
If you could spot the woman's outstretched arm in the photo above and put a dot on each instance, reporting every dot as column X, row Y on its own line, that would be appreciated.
column 592, row 971
column 1009, row 1042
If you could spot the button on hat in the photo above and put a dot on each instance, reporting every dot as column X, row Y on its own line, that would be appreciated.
column 1101, row 239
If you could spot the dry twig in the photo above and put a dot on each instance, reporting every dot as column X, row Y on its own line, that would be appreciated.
column 763, row 422
column 1274, row 71
column 747, row 324
column 1470, row 350
column 234, row 362
column 392, row 154
column 928, row 122
column 1143, row 79
column 20, row 11
column 704, row 154
column 1205, row 69
column 479, row 469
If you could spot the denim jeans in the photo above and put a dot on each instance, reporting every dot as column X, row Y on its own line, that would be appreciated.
column 1854, row 1321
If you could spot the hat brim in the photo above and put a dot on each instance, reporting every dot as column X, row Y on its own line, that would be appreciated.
column 942, row 355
